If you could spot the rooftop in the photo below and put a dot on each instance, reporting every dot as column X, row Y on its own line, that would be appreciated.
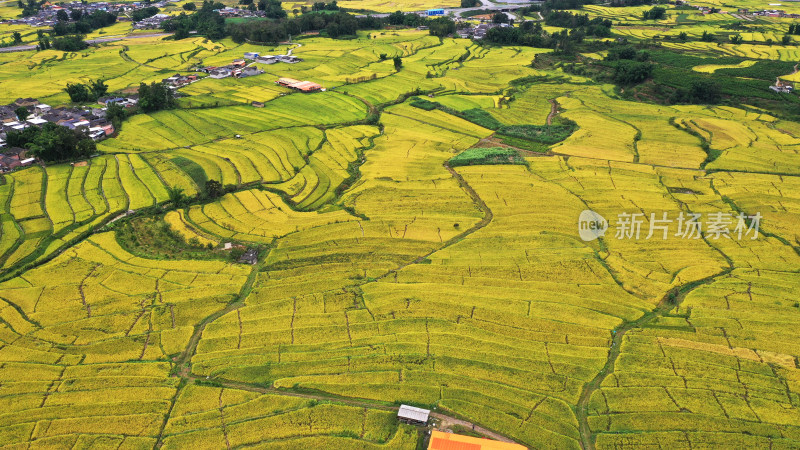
column 450, row 441
column 413, row 413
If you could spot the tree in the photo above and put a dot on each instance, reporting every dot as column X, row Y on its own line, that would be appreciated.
column 441, row 27
column 98, row 88
column 78, row 92
column 272, row 8
column 116, row 114
column 682, row 36
column 17, row 37
column 707, row 37
column 176, row 196
column 62, row 16
column 398, row 63
column 213, row 189
column 22, row 113
column 620, row 52
column 655, row 13
column 786, row 39
column 144, row 13
column 155, row 97
column 629, row 72
column 31, row 8
column 193, row 7
column 736, row 39
column 499, row 18
column 70, row 43
column 470, row 3
column 704, row 92
column 75, row 14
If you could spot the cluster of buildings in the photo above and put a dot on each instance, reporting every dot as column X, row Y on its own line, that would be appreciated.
column 236, row 12
column 782, row 87
column 126, row 102
column 302, row 86
column 179, row 80
column 271, row 59
column 237, row 69
column 92, row 122
column 47, row 15
column 151, row 23
column 14, row 158
column 767, row 13
column 478, row 31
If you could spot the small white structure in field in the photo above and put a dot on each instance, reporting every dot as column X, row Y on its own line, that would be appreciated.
column 413, row 415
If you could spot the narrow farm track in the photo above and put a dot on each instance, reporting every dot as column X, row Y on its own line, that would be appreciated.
column 553, row 110
column 182, row 361
column 486, row 220
column 667, row 303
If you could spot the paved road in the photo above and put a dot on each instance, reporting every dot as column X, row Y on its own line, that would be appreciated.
column 24, row 48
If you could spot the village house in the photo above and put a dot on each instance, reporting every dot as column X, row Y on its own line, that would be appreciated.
column 220, row 72
column 26, row 102
column 250, row 71
column 266, row 59
column 92, row 122
column 781, row 86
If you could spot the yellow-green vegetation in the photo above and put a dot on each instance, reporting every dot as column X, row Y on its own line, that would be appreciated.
column 389, row 270
column 711, row 68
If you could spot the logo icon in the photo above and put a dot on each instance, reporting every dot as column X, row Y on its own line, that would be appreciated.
column 591, row 225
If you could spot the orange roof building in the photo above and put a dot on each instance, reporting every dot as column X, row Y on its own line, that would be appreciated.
column 450, row 441
column 305, row 86
column 287, row 81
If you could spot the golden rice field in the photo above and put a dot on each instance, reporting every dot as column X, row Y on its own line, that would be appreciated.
column 385, row 276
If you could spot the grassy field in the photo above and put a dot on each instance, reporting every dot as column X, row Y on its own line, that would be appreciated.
column 411, row 249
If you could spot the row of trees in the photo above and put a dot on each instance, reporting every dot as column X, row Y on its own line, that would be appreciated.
column 335, row 24
column 531, row 34
column 52, row 142
column 655, row 13
column 72, row 43
column 589, row 27
column 82, row 23
column 272, row 8
column 322, row 6
column 206, row 21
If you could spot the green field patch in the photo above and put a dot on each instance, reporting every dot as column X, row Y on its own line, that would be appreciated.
column 474, row 115
column 544, row 134
column 487, row 156
column 194, row 170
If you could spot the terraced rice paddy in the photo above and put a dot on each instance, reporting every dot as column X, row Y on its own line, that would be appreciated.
column 385, row 276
